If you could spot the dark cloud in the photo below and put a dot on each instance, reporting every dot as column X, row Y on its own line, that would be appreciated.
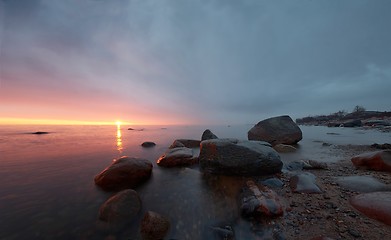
column 239, row 60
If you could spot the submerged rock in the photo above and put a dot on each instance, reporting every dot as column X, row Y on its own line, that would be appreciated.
column 375, row 205
column 257, row 201
column 177, row 157
column 207, row 134
column 304, row 183
column 283, row 148
column 39, row 133
column 121, row 208
column 125, row 172
column 276, row 130
column 154, row 226
column 233, row 157
column 362, row 184
column 379, row 160
column 225, row 232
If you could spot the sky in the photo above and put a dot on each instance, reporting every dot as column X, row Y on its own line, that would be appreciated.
column 191, row 62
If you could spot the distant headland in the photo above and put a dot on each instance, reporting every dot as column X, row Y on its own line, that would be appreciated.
column 360, row 117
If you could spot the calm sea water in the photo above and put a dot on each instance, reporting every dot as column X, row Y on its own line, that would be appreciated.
column 47, row 189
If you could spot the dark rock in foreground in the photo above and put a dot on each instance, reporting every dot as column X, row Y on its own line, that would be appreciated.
column 233, row 157
column 257, row 201
column 154, row 226
column 148, row 144
column 304, row 183
column 375, row 205
column 123, row 173
column 120, row 208
column 177, row 157
column 189, row 143
column 207, row 134
column 379, row 161
column 276, row 130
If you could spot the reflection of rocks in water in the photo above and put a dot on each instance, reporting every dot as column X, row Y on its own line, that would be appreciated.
column 362, row 184
column 304, row 183
column 375, row 205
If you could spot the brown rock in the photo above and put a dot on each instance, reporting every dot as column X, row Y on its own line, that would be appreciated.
column 120, row 208
column 207, row 134
column 375, row 205
column 189, row 143
column 124, row 173
column 276, row 130
column 154, row 226
column 177, row 157
column 379, row 160
column 283, row 148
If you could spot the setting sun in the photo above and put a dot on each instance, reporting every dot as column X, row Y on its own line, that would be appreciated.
column 118, row 123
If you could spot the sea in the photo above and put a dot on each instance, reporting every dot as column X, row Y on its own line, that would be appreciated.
column 47, row 188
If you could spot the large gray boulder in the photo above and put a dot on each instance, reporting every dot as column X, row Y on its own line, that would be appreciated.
column 234, row 157
column 123, row 173
column 276, row 130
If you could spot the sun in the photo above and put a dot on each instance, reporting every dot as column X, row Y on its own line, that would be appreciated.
column 118, row 123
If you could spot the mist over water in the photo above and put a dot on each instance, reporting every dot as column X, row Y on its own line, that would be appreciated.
column 47, row 189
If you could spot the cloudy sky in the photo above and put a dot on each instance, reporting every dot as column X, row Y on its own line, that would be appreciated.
column 192, row 62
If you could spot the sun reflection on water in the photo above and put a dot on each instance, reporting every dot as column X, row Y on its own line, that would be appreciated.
column 119, row 137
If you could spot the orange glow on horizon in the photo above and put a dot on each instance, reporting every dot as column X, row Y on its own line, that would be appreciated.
column 26, row 121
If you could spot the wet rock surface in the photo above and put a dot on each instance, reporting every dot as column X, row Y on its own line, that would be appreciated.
column 362, row 184
column 123, row 173
column 233, row 157
column 304, row 183
column 154, row 226
column 120, row 209
column 375, row 205
column 379, row 160
column 177, row 157
column 257, row 201
column 276, row 130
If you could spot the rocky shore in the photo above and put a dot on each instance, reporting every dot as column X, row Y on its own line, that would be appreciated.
column 274, row 198
column 363, row 119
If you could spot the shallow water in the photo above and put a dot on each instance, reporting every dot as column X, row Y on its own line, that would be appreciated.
column 47, row 189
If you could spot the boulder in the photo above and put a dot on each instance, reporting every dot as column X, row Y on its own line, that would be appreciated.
column 283, row 148
column 120, row 208
column 304, row 183
column 148, row 144
column 207, row 134
column 276, row 130
column 123, row 173
column 352, row 123
column 154, row 226
column 189, row 143
column 362, row 184
column 260, row 201
column 379, row 160
column 233, row 157
column 375, row 205
column 177, row 157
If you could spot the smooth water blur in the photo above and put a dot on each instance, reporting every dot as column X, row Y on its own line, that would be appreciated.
column 47, row 189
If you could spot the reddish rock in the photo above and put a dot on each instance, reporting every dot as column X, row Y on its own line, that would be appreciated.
column 124, row 173
column 379, row 161
column 260, row 201
column 304, row 183
column 154, row 226
column 376, row 205
column 177, row 157
column 276, row 130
